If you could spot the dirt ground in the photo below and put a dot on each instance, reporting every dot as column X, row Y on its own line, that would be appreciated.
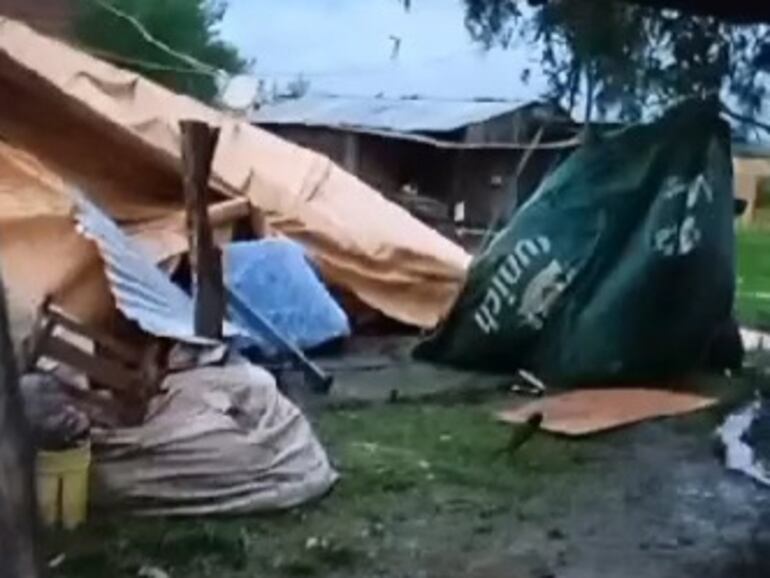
column 427, row 492
column 654, row 502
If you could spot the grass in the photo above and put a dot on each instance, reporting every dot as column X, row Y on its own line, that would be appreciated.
column 424, row 472
column 754, row 275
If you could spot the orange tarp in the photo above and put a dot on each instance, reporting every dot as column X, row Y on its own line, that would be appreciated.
column 589, row 411
column 115, row 135
column 40, row 250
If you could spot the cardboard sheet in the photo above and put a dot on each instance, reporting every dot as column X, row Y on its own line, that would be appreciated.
column 590, row 411
column 115, row 135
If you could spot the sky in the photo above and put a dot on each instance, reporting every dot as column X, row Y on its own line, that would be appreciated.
column 345, row 47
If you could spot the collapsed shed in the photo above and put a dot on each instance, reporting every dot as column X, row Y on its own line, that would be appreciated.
column 67, row 119
column 91, row 197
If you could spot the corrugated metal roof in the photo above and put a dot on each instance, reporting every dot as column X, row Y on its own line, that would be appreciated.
column 142, row 291
column 564, row 144
column 394, row 114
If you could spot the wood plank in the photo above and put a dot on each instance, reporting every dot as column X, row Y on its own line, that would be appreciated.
column 117, row 348
column 108, row 373
column 229, row 211
column 33, row 346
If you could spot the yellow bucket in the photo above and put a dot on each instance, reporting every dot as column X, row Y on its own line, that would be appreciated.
column 62, row 486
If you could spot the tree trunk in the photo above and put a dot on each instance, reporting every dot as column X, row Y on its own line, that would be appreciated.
column 18, row 512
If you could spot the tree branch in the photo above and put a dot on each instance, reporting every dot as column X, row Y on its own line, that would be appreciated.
column 150, row 39
column 745, row 119
column 738, row 11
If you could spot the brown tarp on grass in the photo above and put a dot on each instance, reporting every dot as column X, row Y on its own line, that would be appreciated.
column 115, row 135
column 589, row 411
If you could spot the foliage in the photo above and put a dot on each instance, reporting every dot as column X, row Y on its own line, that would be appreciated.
column 186, row 26
column 634, row 57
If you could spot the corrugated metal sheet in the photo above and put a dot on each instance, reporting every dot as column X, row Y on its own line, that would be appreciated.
column 141, row 290
column 400, row 115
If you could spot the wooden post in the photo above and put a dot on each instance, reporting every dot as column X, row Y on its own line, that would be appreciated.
column 199, row 142
column 351, row 154
column 19, row 556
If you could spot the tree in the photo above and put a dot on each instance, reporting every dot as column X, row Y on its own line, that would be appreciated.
column 745, row 11
column 174, row 42
column 631, row 57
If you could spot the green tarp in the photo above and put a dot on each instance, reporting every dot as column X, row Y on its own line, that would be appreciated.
column 620, row 268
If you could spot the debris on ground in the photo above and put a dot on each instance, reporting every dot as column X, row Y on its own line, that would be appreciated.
column 745, row 441
column 755, row 340
column 57, row 561
column 619, row 269
column 528, row 383
column 152, row 572
column 589, row 411
column 522, row 435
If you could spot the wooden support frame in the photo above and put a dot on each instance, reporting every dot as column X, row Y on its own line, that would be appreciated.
column 520, row 168
column 131, row 377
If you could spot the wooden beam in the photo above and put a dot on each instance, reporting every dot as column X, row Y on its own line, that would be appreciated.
column 109, row 374
column 351, row 154
column 229, row 211
column 520, row 168
column 131, row 376
column 117, row 348
column 19, row 552
column 199, row 142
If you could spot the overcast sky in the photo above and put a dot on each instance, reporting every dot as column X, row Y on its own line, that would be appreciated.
column 345, row 47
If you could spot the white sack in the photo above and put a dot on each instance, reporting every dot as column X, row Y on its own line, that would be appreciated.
column 220, row 440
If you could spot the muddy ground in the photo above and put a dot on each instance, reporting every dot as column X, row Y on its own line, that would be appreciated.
column 427, row 491
column 651, row 502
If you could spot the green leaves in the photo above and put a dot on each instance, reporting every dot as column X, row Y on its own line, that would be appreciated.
column 639, row 58
column 185, row 26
